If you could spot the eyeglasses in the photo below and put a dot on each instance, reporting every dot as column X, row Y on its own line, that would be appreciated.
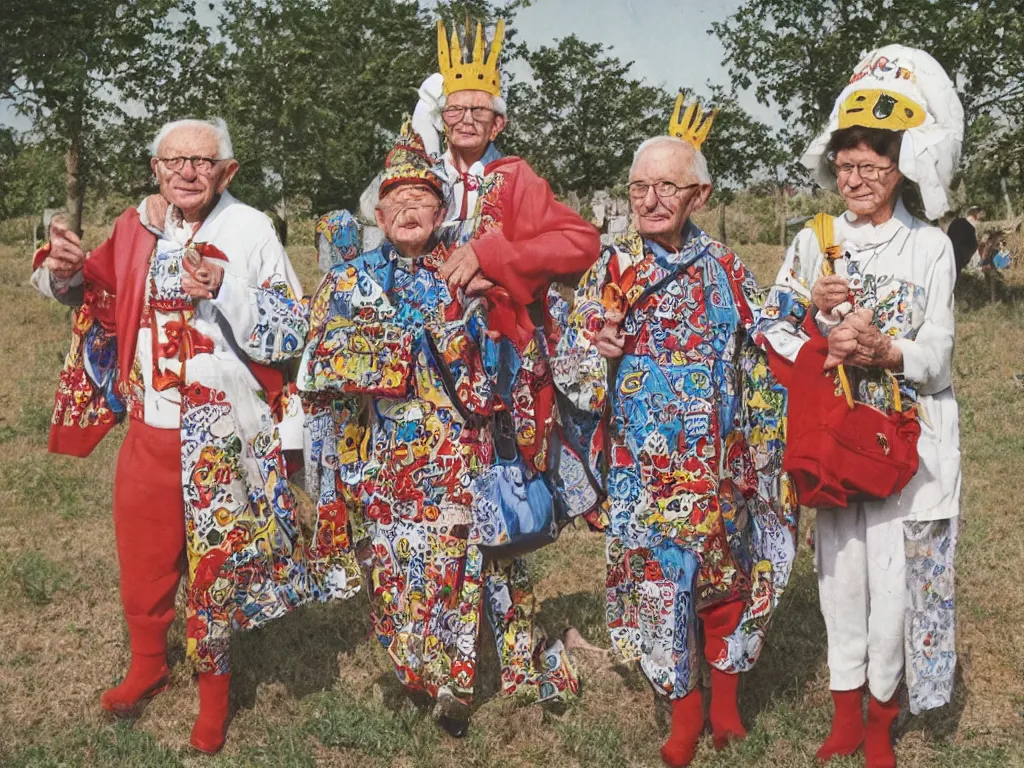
column 663, row 189
column 867, row 171
column 203, row 165
column 454, row 114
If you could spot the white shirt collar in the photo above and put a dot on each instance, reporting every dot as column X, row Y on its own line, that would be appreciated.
column 226, row 199
column 871, row 234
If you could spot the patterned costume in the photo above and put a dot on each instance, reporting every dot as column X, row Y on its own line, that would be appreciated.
column 524, row 240
column 886, row 574
column 410, row 437
column 216, row 489
column 702, row 522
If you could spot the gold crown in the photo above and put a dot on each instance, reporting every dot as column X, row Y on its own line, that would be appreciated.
column 693, row 126
column 477, row 74
column 878, row 108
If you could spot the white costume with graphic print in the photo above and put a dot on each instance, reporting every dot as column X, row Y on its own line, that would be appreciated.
column 885, row 568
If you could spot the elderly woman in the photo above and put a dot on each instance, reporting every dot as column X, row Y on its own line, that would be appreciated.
column 701, row 537
column 180, row 319
column 399, row 425
column 885, row 566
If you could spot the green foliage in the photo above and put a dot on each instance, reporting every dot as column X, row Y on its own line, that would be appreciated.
column 593, row 744
column 38, row 577
column 30, row 176
column 317, row 91
column 84, row 72
column 341, row 720
column 115, row 745
column 582, row 116
column 797, row 55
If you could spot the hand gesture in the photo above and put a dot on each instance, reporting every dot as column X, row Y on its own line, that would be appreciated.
column 461, row 266
column 66, row 255
column 842, row 340
column 156, row 210
column 829, row 292
column 609, row 340
column 204, row 281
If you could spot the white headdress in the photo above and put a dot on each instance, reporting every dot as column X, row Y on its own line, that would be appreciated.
column 902, row 89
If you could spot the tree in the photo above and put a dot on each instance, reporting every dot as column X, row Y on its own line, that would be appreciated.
column 318, row 88
column 30, row 176
column 96, row 75
column 798, row 54
column 581, row 116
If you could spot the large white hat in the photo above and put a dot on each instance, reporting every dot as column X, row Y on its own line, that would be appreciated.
column 902, row 89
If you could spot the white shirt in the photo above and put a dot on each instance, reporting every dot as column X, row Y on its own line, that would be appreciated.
column 909, row 268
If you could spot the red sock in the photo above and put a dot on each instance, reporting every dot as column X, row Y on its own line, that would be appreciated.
column 212, row 723
column 687, row 724
column 725, row 714
column 147, row 676
column 847, row 725
column 878, row 747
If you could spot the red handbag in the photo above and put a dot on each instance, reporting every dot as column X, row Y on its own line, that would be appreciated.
column 839, row 451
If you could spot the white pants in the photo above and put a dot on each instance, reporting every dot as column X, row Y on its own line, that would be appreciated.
column 862, row 587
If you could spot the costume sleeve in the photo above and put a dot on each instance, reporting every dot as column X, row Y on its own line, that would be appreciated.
column 928, row 357
column 264, row 308
column 578, row 369
column 98, row 271
column 541, row 241
column 789, row 300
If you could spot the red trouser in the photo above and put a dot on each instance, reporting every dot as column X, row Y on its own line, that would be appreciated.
column 149, row 524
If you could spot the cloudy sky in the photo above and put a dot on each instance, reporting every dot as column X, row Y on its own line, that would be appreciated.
column 667, row 40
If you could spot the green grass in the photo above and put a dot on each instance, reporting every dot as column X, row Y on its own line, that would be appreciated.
column 314, row 689
column 38, row 577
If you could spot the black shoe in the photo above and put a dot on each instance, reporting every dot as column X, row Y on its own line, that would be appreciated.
column 455, row 728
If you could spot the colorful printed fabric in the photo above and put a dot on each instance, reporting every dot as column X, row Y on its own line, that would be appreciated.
column 897, row 306
column 930, row 633
column 700, row 513
column 411, row 460
column 338, row 235
column 249, row 559
column 87, row 390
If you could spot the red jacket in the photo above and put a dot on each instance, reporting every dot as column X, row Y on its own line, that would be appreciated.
column 537, row 240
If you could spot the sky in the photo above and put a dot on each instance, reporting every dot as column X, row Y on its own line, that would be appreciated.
column 667, row 40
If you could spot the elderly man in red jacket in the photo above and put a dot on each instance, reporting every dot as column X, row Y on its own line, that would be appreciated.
column 180, row 316
column 510, row 240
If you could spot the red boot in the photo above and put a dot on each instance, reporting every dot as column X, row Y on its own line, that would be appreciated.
column 847, row 725
column 720, row 622
column 726, row 725
column 212, row 723
column 149, row 523
column 687, row 724
column 878, row 747
column 147, row 676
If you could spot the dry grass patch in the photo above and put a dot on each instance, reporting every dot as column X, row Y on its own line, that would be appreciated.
column 315, row 689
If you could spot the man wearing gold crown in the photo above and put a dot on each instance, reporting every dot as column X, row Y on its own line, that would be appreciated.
column 505, row 236
column 400, row 410
column 702, row 525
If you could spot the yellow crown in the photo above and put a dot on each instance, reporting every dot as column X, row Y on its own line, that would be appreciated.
column 693, row 126
column 478, row 74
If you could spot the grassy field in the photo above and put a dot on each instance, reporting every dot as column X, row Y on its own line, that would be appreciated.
column 313, row 690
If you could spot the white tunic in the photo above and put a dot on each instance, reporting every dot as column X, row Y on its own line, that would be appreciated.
column 907, row 267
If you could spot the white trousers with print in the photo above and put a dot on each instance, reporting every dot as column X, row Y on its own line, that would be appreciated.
column 862, row 588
